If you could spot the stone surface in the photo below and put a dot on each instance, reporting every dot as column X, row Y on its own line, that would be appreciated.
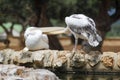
column 12, row 72
column 62, row 61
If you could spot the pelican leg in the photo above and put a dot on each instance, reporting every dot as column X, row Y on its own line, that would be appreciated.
column 75, row 46
column 76, row 43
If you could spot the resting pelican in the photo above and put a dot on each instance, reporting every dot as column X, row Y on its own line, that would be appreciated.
column 83, row 27
column 35, row 40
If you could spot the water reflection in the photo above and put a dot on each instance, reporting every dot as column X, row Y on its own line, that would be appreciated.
column 87, row 77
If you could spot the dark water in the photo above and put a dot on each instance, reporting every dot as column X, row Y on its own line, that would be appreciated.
column 87, row 77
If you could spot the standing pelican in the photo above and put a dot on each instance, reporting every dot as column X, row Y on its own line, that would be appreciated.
column 83, row 27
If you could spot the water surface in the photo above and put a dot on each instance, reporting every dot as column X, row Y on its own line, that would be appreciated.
column 78, row 76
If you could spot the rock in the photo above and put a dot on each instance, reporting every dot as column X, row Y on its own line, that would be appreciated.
column 12, row 72
column 93, row 58
column 63, row 60
column 78, row 60
column 108, row 59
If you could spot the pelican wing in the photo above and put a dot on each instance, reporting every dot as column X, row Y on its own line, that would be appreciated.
column 79, row 26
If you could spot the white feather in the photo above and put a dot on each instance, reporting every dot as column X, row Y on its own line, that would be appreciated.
column 34, row 39
column 75, row 22
column 83, row 27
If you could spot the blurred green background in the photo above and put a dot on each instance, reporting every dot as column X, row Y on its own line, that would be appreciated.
column 17, row 15
column 18, row 11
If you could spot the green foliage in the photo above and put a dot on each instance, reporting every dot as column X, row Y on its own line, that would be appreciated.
column 1, row 30
column 59, row 9
column 16, row 27
column 7, row 25
column 12, row 10
column 115, row 30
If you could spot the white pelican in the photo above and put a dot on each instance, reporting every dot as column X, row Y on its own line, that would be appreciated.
column 83, row 27
column 35, row 39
